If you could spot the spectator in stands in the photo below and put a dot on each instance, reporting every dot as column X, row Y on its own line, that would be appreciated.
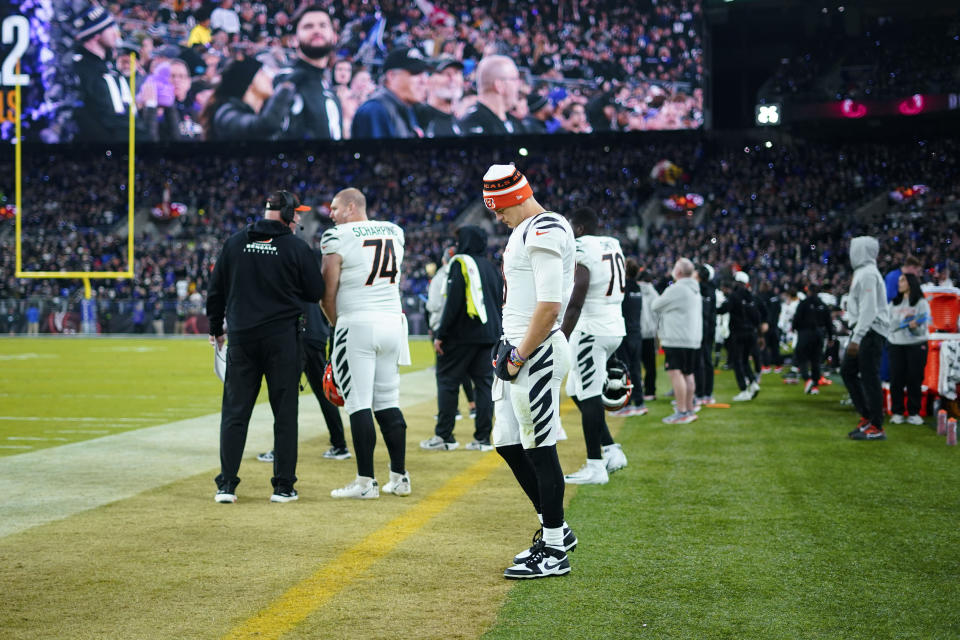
column 909, row 320
column 498, row 88
column 226, row 19
column 867, row 309
column 680, row 328
column 438, row 115
column 317, row 114
column 201, row 33
column 539, row 114
column 246, row 106
column 574, row 119
column 388, row 113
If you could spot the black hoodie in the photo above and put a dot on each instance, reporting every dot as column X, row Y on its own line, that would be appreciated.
column 456, row 326
column 261, row 280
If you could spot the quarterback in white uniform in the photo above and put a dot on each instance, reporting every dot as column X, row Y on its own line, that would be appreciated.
column 594, row 324
column 531, row 361
column 361, row 270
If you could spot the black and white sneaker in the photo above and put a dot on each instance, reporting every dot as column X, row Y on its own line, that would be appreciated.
column 337, row 453
column 285, row 495
column 569, row 544
column 543, row 563
column 266, row 456
column 225, row 496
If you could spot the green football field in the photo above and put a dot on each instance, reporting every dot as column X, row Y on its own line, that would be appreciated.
column 758, row 521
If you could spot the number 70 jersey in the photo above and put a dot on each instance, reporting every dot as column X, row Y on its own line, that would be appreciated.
column 372, row 253
column 602, row 314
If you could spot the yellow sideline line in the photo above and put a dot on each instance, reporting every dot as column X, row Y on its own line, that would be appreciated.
column 290, row 609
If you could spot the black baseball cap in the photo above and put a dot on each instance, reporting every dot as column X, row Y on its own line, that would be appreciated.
column 535, row 102
column 409, row 59
column 277, row 201
column 446, row 62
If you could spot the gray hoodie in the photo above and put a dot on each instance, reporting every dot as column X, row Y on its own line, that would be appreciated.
column 867, row 303
column 680, row 312
column 648, row 319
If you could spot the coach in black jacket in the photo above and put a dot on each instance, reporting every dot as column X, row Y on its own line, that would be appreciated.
column 464, row 339
column 263, row 277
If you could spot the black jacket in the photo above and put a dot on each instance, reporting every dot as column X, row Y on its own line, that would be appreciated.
column 813, row 315
column 708, row 293
column 384, row 115
column 101, row 115
column 315, row 113
column 772, row 306
column 632, row 308
column 236, row 120
column 743, row 309
column 456, row 326
column 481, row 121
column 261, row 280
column 436, row 123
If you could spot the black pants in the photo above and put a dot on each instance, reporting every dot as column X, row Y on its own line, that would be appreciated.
column 630, row 352
column 907, row 364
column 809, row 351
column 649, row 352
column 771, row 348
column 740, row 346
column 314, row 366
column 703, row 375
column 861, row 374
column 277, row 358
column 461, row 361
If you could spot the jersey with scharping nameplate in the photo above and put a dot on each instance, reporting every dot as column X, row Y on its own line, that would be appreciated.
column 545, row 231
column 601, row 314
column 372, row 254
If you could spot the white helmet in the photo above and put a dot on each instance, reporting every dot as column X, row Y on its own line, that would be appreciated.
column 617, row 388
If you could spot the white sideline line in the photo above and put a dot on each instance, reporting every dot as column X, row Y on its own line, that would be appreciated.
column 51, row 484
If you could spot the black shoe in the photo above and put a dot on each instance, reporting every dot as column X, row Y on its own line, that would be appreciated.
column 284, row 495
column 870, row 433
column 861, row 427
column 226, row 496
column 544, row 563
column 569, row 544
column 266, row 456
column 337, row 453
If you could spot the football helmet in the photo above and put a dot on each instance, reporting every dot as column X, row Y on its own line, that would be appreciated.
column 617, row 388
column 330, row 386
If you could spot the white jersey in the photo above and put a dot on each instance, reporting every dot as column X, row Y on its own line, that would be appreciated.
column 549, row 231
column 602, row 314
column 372, row 253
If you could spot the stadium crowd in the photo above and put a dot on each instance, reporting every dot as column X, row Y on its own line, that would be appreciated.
column 784, row 213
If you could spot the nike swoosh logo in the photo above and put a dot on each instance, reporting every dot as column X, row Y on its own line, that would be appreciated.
column 550, row 567
column 540, row 233
column 363, row 493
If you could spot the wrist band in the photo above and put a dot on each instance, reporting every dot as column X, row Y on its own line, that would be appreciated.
column 515, row 358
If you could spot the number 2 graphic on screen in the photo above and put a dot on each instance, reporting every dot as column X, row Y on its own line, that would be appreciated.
column 384, row 260
column 16, row 31
column 617, row 269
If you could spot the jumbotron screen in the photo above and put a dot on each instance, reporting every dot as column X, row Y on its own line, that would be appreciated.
column 256, row 71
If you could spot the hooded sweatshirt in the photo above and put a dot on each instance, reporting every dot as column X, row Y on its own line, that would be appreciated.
column 680, row 312
column 867, row 302
column 648, row 319
column 462, row 321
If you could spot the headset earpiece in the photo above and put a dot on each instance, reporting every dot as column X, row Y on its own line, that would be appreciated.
column 289, row 207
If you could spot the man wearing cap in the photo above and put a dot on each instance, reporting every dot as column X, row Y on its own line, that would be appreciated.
column 437, row 115
column 498, row 89
column 389, row 113
column 104, row 94
column 744, row 323
column 316, row 113
column 540, row 111
column 531, row 360
column 262, row 279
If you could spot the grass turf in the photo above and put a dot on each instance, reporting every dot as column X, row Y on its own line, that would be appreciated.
column 758, row 521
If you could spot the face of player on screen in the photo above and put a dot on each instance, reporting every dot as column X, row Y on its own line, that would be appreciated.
column 315, row 35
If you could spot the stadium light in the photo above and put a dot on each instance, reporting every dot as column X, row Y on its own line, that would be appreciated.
column 767, row 115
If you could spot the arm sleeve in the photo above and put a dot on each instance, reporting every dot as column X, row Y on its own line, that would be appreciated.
column 217, row 297
column 330, row 241
column 546, row 265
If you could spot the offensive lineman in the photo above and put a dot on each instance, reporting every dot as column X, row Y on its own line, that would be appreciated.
column 594, row 325
column 531, row 361
column 361, row 271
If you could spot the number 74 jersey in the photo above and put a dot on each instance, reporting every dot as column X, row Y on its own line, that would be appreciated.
column 602, row 314
column 372, row 252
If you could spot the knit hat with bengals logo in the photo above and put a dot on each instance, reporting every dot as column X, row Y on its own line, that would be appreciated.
column 504, row 186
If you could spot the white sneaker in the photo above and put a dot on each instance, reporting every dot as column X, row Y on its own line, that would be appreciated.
column 476, row 445
column 595, row 473
column 674, row 418
column 362, row 488
column 754, row 387
column 897, row 418
column 638, row 411
column 399, row 484
column 744, row 396
column 614, row 456
column 436, row 443
column 225, row 497
column 915, row 420
column 687, row 417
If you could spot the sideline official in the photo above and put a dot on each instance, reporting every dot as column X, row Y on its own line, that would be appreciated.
column 263, row 277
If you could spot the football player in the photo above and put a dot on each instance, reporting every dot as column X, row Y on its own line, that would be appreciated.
column 361, row 268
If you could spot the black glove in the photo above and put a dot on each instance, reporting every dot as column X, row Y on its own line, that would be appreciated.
column 501, row 356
